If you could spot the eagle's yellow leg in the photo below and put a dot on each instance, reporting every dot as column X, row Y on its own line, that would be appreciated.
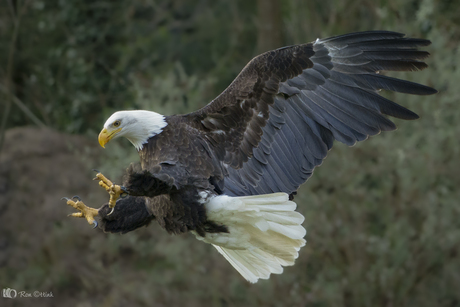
column 114, row 190
column 85, row 211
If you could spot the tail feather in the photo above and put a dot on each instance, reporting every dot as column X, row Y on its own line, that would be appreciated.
column 252, row 264
column 265, row 233
column 285, row 218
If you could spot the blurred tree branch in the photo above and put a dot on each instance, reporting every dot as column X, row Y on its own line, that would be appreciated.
column 12, row 98
column 16, row 12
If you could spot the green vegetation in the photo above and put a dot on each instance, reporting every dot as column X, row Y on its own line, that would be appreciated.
column 383, row 217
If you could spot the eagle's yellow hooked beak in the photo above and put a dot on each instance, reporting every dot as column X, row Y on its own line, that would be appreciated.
column 105, row 136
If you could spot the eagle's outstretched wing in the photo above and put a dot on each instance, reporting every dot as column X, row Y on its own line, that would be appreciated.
column 277, row 120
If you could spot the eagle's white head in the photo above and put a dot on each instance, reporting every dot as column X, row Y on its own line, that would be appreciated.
column 137, row 126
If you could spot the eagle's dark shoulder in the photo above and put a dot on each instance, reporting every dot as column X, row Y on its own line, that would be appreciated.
column 182, row 148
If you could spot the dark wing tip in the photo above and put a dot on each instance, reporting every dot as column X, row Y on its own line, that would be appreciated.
column 428, row 91
column 413, row 116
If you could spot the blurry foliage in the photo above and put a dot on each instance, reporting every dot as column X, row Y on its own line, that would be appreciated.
column 382, row 217
column 73, row 59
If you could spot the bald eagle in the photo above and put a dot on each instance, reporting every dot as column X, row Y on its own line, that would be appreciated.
column 229, row 172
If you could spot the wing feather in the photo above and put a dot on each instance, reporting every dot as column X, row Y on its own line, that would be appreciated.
column 278, row 119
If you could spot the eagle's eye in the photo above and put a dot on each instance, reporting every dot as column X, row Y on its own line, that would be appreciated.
column 116, row 124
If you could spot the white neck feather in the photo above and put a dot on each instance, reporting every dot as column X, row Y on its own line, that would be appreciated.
column 138, row 126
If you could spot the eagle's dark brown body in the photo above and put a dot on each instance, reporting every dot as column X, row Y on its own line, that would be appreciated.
column 269, row 129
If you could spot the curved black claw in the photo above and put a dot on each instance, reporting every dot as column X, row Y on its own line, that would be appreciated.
column 111, row 211
column 95, row 178
column 95, row 224
column 65, row 198
column 77, row 197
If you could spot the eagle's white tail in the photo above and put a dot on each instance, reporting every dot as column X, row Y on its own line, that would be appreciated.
column 265, row 233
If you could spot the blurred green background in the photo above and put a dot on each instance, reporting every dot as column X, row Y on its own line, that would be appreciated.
column 383, row 217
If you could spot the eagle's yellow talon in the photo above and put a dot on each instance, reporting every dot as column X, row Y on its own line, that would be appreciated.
column 76, row 214
column 102, row 184
column 85, row 211
column 114, row 190
column 103, row 180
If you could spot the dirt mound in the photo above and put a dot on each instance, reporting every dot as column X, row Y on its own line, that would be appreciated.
column 37, row 168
